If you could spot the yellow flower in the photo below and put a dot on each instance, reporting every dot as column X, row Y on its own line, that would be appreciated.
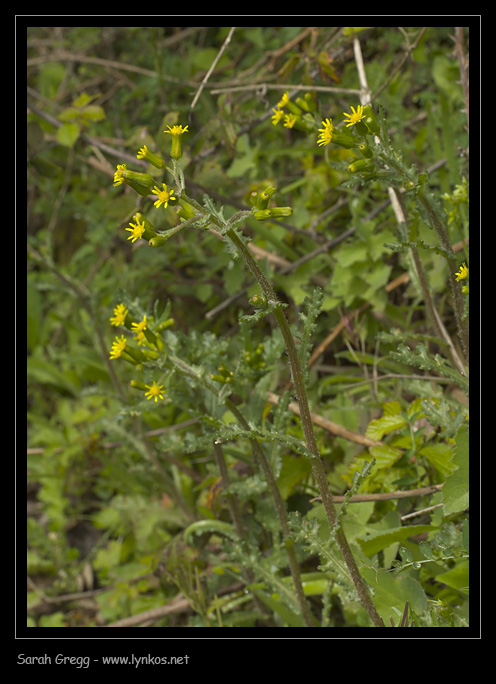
column 163, row 196
column 119, row 174
column 463, row 272
column 136, row 231
column 120, row 313
column 139, row 327
column 326, row 132
column 284, row 100
column 355, row 117
column 154, row 391
column 177, row 130
column 117, row 347
column 289, row 120
column 277, row 116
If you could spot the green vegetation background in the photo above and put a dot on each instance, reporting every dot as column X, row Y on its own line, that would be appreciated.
column 99, row 518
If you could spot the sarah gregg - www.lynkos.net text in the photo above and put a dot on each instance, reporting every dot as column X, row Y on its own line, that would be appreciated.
column 81, row 662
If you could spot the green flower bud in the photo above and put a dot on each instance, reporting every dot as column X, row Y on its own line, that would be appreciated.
column 365, row 151
column 150, row 354
column 310, row 100
column 259, row 301
column 185, row 211
column 264, row 197
column 293, row 108
column 138, row 385
column 262, row 214
column 361, row 165
column 166, row 324
column 253, row 198
column 280, row 212
column 302, row 103
column 370, row 120
column 157, row 241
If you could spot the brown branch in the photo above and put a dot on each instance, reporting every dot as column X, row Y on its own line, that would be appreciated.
column 385, row 496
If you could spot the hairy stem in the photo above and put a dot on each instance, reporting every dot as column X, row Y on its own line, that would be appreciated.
column 306, row 420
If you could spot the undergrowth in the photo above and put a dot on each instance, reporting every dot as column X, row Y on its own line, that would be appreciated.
column 248, row 355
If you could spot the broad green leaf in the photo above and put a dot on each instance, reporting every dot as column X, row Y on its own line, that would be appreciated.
column 67, row 134
column 383, row 426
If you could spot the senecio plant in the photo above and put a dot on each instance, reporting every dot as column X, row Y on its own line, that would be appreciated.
column 374, row 158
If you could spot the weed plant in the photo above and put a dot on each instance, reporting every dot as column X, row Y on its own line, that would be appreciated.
column 231, row 462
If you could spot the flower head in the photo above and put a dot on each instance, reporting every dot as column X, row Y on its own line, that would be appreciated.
column 119, row 317
column 277, row 116
column 117, row 347
column 145, row 153
column 326, row 133
column 136, row 230
column 119, row 174
column 139, row 327
column 154, row 391
column 177, row 130
column 284, row 100
column 355, row 117
column 463, row 272
column 289, row 120
column 163, row 196
column 330, row 134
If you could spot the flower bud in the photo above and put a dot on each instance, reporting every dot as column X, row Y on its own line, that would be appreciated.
column 262, row 201
column 138, row 385
column 150, row 354
column 141, row 182
column 281, row 212
column 370, row 120
column 293, row 108
column 361, row 165
column 302, row 103
column 145, row 153
column 258, row 300
column 166, row 324
column 157, row 241
column 262, row 214
column 253, row 198
column 365, row 151
column 176, row 133
column 185, row 211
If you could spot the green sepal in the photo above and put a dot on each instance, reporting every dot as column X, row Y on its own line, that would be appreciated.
column 343, row 138
column 361, row 128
